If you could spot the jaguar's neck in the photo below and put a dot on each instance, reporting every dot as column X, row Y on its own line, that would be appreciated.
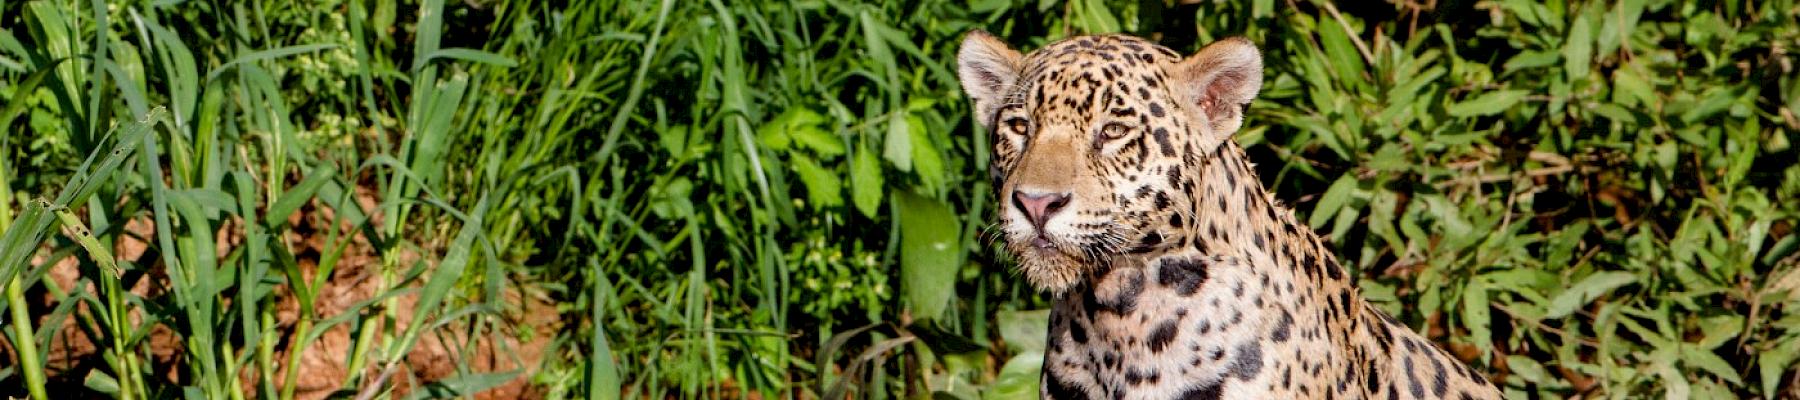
column 1234, row 216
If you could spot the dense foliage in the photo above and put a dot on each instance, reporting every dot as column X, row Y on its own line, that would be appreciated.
column 788, row 198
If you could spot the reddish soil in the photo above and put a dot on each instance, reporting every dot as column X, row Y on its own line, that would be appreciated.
column 323, row 363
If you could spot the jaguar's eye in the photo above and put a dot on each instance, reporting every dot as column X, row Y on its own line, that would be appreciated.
column 1114, row 131
column 1017, row 125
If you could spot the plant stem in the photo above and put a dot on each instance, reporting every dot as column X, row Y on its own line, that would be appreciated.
column 15, row 299
column 293, row 367
column 28, row 357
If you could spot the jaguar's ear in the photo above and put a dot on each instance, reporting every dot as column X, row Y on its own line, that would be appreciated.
column 987, row 68
column 1219, row 81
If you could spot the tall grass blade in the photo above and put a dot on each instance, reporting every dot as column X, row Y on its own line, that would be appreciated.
column 25, row 233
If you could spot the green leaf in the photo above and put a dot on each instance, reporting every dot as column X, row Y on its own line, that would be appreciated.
column 825, row 144
column 929, row 249
column 20, row 240
column 988, row 6
column 1334, row 199
column 1093, row 16
column 1023, row 331
column 773, row 137
column 1717, row 100
column 778, row 132
column 1615, row 112
column 1489, row 103
column 1631, row 88
column 898, row 149
column 1578, row 50
column 1475, row 315
column 100, row 382
column 438, row 284
column 97, row 252
column 293, row 198
column 670, row 199
column 928, row 161
column 1675, row 384
column 878, row 50
column 1562, row 248
column 1018, row 379
column 27, row 85
column 1389, row 158
column 674, row 141
column 823, row 189
column 1618, row 24
column 182, row 74
column 1527, row 368
column 1342, row 52
column 866, row 181
column 1744, row 157
column 472, row 55
column 1771, row 364
column 1712, row 363
column 1530, row 59
column 1382, row 206
column 1586, row 291
column 1665, row 155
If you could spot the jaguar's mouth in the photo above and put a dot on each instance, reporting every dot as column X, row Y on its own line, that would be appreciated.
column 1039, row 246
column 1050, row 263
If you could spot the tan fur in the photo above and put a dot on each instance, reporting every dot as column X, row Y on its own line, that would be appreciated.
column 1176, row 274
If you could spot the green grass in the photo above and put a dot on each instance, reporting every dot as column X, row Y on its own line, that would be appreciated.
column 789, row 198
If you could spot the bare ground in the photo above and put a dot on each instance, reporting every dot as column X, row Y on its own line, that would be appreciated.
column 323, row 365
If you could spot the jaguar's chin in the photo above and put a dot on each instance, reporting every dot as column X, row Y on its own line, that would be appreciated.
column 1051, row 266
column 1051, row 272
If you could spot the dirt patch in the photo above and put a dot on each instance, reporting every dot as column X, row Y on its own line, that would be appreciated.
column 515, row 341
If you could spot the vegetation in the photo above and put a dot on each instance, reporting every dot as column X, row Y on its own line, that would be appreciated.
column 686, row 199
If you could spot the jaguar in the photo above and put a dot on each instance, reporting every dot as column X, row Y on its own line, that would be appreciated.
column 1174, row 273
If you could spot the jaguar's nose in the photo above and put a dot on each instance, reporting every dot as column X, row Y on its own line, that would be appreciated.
column 1039, row 207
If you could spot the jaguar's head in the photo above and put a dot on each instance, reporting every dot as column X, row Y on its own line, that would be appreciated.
column 1094, row 141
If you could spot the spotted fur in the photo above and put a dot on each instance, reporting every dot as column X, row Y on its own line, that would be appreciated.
column 1175, row 273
